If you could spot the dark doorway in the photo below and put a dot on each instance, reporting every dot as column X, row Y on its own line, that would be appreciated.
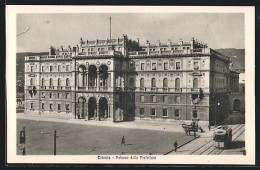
column 103, row 109
column 92, row 108
column 237, row 105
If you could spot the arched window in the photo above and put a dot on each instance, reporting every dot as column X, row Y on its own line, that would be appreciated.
column 142, row 82
column 59, row 82
column 31, row 82
column 43, row 82
column 165, row 83
column 51, row 82
column 153, row 82
column 195, row 83
column 177, row 83
column 59, row 67
column 67, row 82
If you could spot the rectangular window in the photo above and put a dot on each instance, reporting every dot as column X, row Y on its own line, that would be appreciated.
column 165, row 66
column 153, row 113
column 32, row 68
column 59, row 67
column 43, row 106
column 59, row 95
column 153, row 98
column 165, row 99
column 67, row 67
column 195, row 114
column 50, row 68
column 32, row 105
column 165, row 112
column 142, row 66
column 141, row 111
column 178, row 65
column 59, row 107
column 196, row 65
column 153, row 66
column 67, row 95
column 177, row 113
column 43, row 94
column 51, row 106
column 177, row 99
column 51, row 95
column 67, row 107
column 42, row 68
column 142, row 99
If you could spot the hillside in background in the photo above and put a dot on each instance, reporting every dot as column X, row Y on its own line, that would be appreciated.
column 237, row 57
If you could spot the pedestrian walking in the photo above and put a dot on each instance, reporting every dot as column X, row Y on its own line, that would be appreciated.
column 24, row 152
column 209, row 127
column 175, row 146
column 186, row 131
column 123, row 141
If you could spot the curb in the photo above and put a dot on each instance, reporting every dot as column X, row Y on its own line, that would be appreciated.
column 182, row 145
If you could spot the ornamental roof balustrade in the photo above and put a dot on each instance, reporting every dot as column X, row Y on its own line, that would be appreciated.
column 48, row 57
column 171, row 52
column 99, row 53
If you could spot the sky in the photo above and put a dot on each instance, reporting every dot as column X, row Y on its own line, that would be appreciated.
column 217, row 30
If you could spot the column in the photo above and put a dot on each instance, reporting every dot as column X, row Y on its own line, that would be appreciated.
column 97, row 112
column 87, row 80
column 86, row 111
column 98, row 80
column 108, row 111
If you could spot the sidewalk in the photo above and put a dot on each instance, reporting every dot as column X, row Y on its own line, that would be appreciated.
column 146, row 125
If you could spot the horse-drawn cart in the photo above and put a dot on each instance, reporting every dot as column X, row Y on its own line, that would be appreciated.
column 192, row 126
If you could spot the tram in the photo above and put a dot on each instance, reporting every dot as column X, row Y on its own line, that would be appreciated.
column 222, row 137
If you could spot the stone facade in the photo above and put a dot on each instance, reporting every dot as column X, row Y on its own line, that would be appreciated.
column 121, row 80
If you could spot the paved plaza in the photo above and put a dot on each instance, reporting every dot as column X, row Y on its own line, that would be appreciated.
column 79, row 139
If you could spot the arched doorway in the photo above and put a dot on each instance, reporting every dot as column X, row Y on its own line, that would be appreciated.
column 82, row 108
column 195, row 83
column 92, row 108
column 103, row 75
column 103, row 108
column 92, row 76
column 237, row 105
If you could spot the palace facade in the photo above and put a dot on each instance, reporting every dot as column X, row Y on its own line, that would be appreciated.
column 121, row 80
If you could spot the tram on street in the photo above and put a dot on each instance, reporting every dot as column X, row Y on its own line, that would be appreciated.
column 222, row 137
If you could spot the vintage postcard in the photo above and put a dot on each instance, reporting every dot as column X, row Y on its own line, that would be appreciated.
column 130, row 85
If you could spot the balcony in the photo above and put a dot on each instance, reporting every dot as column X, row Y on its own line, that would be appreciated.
column 43, row 87
column 51, row 87
column 103, row 88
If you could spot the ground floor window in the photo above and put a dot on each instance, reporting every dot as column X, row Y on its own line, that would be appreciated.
column 153, row 112
column 141, row 112
column 177, row 113
column 43, row 106
column 67, row 107
column 165, row 112
column 195, row 114
column 59, row 107
column 32, row 105
column 51, row 106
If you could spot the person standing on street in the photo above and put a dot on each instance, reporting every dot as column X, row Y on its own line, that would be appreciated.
column 175, row 146
column 123, row 141
column 209, row 127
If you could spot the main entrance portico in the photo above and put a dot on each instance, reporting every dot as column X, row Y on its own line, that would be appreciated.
column 94, row 109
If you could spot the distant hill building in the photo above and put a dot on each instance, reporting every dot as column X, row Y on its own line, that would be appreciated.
column 121, row 80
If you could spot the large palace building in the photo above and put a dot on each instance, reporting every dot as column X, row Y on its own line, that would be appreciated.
column 121, row 80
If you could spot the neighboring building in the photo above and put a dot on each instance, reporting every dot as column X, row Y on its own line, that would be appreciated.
column 120, row 80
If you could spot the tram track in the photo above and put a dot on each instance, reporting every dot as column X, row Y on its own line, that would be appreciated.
column 208, row 147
